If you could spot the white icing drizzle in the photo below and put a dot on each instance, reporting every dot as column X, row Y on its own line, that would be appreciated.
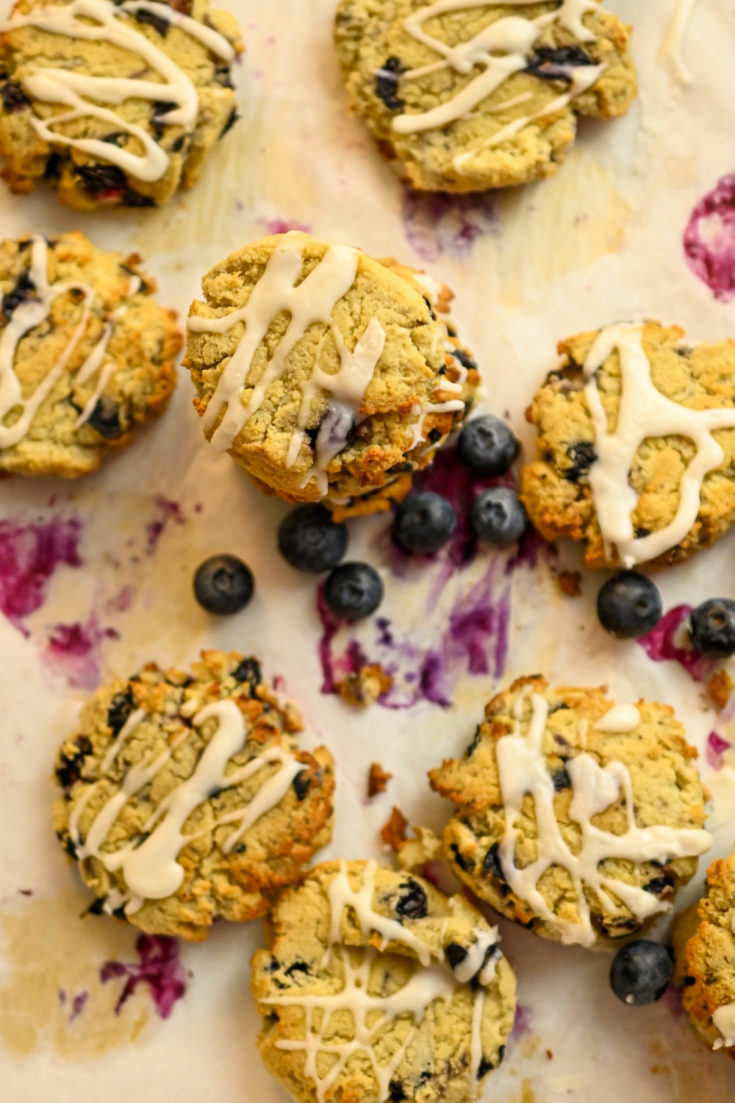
column 499, row 50
column 522, row 771
column 672, row 45
column 643, row 412
column 620, row 718
column 83, row 94
column 150, row 868
column 724, row 1019
column 309, row 303
column 371, row 1014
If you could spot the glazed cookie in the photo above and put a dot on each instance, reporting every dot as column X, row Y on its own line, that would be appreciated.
column 708, row 961
column 636, row 440
column 86, row 355
column 185, row 797
column 326, row 374
column 378, row 987
column 576, row 817
column 464, row 96
column 114, row 102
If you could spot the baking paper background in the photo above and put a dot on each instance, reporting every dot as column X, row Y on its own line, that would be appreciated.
column 600, row 242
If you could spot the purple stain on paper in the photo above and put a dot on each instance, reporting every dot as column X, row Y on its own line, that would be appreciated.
column 668, row 640
column 284, row 225
column 709, row 239
column 716, row 747
column 76, row 1006
column 74, row 652
column 158, row 968
column 165, row 513
column 29, row 555
column 522, row 1021
column 437, row 224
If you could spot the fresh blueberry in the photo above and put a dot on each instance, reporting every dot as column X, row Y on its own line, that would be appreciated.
column 487, row 446
column 353, row 590
column 712, row 627
column 424, row 522
column 629, row 605
column 498, row 516
column 223, row 584
column 641, row 972
column 310, row 540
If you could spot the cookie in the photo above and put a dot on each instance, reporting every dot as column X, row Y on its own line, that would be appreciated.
column 467, row 96
column 326, row 374
column 86, row 354
column 114, row 102
column 575, row 817
column 186, row 798
column 636, row 443
column 707, row 961
column 376, row 986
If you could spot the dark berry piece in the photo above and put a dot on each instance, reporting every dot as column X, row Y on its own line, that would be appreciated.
column 70, row 770
column 582, row 455
column 424, row 522
column 561, row 780
column 396, row 1093
column 712, row 627
column 641, row 972
column 459, row 857
column 231, row 120
column 121, row 707
column 659, row 885
column 301, row 784
column 498, row 516
column 554, row 62
column 248, row 671
column 353, row 590
column 455, row 954
column 310, row 540
column 484, row 1068
column 105, row 418
column 223, row 584
column 158, row 22
column 101, row 178
column 24, row 289
column 413, row 903
column 386, row 83
column 13, row 96
column 465, row 359
column 629, row 605
column 487, row 446
column 491, row 863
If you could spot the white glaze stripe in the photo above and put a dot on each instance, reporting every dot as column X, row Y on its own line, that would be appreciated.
column 672, row 45
column 82, row 94
column 643, row 412
column 522, row 771
column 724, row 1020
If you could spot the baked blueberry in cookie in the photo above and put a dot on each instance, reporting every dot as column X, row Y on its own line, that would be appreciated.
column 114, row 103
column 86, row 354
column 376, row 986
column 463, row 96
column 185, row 796
column 329, row 376
column 574, row 816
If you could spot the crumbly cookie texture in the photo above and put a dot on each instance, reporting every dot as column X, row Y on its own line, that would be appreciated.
column 611, row 486
column 462, row 98
column 186, row 798
column 117, row 145
column 87, row 355
column 376, row 986
column 706, row 960
column 574, row 817
column 327, row 375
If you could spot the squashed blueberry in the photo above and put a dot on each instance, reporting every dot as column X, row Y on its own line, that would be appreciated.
column 101, row 178
column 455, row 954
column 386, row 83
column 712, row 628
column 641, row 972
column 353, row 590
column 309, row 540
column 498, row 516
column 491, row 862
column 24, row 289
column 413, row 903
column 13, row 96
column 223, row 584
column 248, row 670
column 158, row 22
column 629, row 605
column 556, row 62
column 582, row 455
column 121, row 707
column 424, row 522
column 487, row 446
column 301, row 784
column 105, row 418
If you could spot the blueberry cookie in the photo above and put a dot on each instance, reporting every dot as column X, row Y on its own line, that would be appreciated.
column 707, row 960
column 329, row 376
column 186, row 798
column 114, row 101
column 576, row 817
column 466, row 96
column 86, row 355
column 378, row 987
column 636, row 442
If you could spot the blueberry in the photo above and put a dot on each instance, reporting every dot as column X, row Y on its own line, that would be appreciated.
column 105, row 418
column 583, row 455
column 158, row 22
column 301, row 784
column 413, row 904
column 121, row 708
column 712, row 627
column 310, row 540
column 101, row 178
column 641, row 972
column 487, row 446
column 386, row 83
column 424, row 522
column 629, row 605
column 13, row 97
column 248, row 670
column 554, row 62
column 353, row 590
column 24, row 289
column 223, row 584
column 498, row 516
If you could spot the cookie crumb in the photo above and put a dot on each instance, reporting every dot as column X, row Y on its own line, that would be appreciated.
column 378, row 779
column 363, row 687
column 720, row 687
column 393, row 833
column 570, row 582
